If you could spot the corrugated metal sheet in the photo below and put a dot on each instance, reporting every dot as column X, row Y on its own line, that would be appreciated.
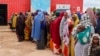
column 16, row 6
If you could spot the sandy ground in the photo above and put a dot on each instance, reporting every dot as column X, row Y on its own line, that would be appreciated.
column 9, row 46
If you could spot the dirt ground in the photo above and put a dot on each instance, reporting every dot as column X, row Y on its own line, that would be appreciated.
column 9, row 46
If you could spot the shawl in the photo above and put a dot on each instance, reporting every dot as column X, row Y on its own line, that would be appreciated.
column 77, row 19
column 55, row 28
column 36, row 27
column 92, row 16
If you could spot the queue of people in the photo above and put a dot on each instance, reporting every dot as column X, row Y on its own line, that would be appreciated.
column 75, row 35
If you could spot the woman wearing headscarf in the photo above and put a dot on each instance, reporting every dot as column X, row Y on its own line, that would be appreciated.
column 14, row 19
column 65, row 31
column 38, row 30
column 55, row 35
column 75, row 20
column 52, row 19
column 28, row 26
column 10, row 21
column 20, row 25
column 82, row 32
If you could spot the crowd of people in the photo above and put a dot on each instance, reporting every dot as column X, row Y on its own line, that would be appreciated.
column 66, row 34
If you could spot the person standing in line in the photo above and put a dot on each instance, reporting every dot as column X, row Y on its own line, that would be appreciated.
column 28, row 26
column 52, row 19
column 20, row 25
column 13, row 21
column 55, row 34
column 36, row 30
column 83, row 31
column 64, row 34
column 75, row 20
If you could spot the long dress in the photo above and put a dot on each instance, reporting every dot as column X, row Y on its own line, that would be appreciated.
column 42, row 42
column 67, row 38
column 75, row 23
column 14, row 19
column 62, row 26
column 55, row 35
column 28, row 26
column 37, row 32
column 20, row 25
column 10, row 21
column 82, row 49
column 51, row 42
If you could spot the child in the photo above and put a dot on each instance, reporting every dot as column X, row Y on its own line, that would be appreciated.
column 94, row 49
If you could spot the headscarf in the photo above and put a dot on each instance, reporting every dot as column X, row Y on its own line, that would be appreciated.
column 28, row 21
column 57, row 14
column 77, row 19
column 36, row 27
column 69, row 13
column 85, row 20
column 97, row 35
column 92, row 16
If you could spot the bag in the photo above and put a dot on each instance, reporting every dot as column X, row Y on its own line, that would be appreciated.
column 83, row 37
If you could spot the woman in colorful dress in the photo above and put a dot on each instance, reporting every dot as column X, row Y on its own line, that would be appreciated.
column 65, row 31
column 38, row 30
column 28, row 26
column 52, row 19
column 83, row 32
column 75, row 20
column 55, row 35
column 14, row 19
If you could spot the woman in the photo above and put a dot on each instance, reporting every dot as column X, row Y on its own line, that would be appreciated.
column 52, row 19
column 65, row 29
column 55, row 35
column 10, row 21
column 75, row 20
column 14, row 19
column 85, row 25
column 28, row 26
column 38, row 30
column 20, row 25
